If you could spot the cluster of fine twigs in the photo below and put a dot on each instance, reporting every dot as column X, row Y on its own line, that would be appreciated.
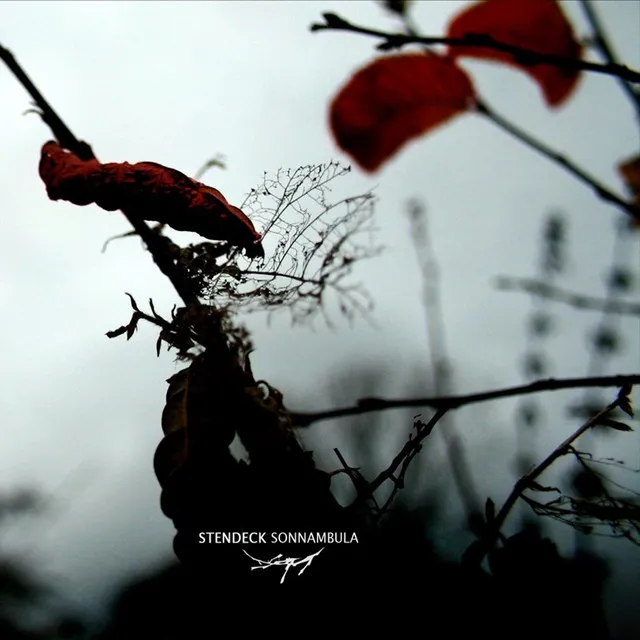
column 314, row 241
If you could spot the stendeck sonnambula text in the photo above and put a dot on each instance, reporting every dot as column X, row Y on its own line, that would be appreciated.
column 282, row 537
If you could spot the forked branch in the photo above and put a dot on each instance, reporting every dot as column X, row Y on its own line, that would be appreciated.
column 479, row 549
column 527, row 57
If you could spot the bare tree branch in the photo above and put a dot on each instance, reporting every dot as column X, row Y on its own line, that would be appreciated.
column 366, row 405
column 154, row 242
column 521, row 55
column 562, row 161
column 408, row 452
column 602, row 42
column 477, row 551
column 577, row 300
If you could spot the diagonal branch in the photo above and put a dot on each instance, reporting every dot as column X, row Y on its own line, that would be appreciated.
column 366, row 405
column 154, row 242
column 403, row 459
column 479, row 549
column 602, row 42
column 521, row 55
column 564, row 162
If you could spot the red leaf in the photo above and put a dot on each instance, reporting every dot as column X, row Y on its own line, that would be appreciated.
column 149, row 190
column 629, row 169
column 536, row 25
column 394, row 99
column 630, row 172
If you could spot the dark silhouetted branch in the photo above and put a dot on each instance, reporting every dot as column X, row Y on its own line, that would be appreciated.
column 402, row 461
column 521, row 55
column 562, row 161
column 65, row 137
column 602, row 42
column 366, row 405
column 479, row 549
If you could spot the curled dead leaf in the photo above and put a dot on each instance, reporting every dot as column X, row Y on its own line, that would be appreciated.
column 150, row 191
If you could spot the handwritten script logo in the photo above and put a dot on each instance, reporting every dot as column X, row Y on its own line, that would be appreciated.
column 287, row 563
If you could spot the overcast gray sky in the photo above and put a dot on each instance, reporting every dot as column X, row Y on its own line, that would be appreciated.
column 178, row 83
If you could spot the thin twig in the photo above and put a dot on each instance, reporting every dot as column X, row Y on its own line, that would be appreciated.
column 366, row 405
column 49, row 116
column 410, row 450
column 614, row 515
column 550, row 153
column 404, row 457
column 585, row 464
column 602, row 42
column 358, row 480
column 477, row 551
column 523, row 56
column 278, row 274
column 67, row 139
column 579, row 301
